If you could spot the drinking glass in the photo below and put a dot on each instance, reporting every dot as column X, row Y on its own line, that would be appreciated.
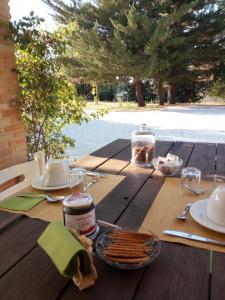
column 77, row 180
column 191, row 178
column 70, row 159
column 215, row 180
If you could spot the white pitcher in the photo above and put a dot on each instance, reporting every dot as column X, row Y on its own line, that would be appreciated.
column 56, row 173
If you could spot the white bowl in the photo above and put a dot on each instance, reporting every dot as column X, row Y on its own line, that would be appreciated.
column 216, row 206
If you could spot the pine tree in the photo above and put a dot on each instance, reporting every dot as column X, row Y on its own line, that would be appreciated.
column 195, row 39
column 109, row 39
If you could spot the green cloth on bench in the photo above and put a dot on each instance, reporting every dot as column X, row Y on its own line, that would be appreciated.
column 62, row 247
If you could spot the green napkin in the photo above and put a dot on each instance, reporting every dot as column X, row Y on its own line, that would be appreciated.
column 24, row 203
column 62, row 247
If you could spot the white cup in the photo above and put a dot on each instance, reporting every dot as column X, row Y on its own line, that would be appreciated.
column 56, row 173
column 216, row 206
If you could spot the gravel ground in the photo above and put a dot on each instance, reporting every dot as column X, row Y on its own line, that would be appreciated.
column 197, row 123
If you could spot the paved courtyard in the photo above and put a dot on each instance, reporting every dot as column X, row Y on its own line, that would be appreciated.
column 197, row 123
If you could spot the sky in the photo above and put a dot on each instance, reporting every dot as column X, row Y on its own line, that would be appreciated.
column 21, row 8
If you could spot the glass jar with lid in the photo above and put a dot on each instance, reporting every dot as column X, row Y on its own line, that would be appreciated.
column 79, row 214
column 142, row 146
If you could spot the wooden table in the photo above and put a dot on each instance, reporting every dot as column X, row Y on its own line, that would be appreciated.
column 180, row 272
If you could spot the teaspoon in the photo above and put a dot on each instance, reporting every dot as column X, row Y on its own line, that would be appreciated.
column 54, row 198
column 93, row 180
column 183, row 215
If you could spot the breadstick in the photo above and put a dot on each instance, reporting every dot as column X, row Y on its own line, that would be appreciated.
column 127, row 247
column 124, row 254
column 128, row 260
column 127, row 243
column 133, row 234
column 127, row 239
column 128, row 236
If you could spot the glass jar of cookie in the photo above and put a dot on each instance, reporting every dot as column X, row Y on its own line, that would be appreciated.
column 142, row 147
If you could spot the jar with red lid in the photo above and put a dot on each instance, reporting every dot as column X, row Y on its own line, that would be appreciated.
column 79, row 214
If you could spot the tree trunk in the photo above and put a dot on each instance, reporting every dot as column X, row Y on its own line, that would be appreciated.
column 139, row 93
column 171, row 93
column 97, row 98
column 160, row 92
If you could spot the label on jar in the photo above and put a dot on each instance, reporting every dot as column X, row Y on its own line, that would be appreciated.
column 84, row 224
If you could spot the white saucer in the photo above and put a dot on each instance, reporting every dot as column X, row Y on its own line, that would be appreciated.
column 198, row 213
column 36, row 183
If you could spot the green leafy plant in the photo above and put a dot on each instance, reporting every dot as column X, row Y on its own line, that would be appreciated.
column 48, row 101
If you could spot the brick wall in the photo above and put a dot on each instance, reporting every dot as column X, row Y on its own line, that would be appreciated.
column 12, row 136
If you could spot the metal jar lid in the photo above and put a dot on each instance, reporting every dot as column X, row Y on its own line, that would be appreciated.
column 78, row 200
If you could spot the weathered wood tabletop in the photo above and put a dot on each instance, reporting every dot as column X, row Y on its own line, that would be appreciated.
column 180, row 272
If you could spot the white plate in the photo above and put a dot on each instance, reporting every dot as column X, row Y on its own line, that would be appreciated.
column 198, row 213
column 36, row 183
